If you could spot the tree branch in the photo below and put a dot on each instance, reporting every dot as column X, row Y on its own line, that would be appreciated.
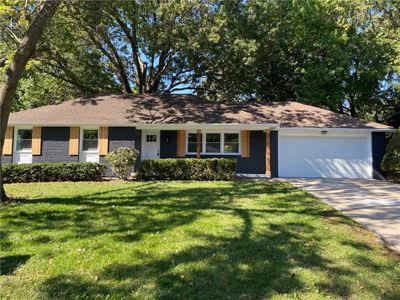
column 113, row 57
column 140, row 77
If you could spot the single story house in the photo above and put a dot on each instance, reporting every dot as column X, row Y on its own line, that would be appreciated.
column 278, row 139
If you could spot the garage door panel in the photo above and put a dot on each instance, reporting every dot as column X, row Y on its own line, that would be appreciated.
column 324, row 157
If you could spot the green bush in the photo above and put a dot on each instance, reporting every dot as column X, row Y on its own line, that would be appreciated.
column 41, row 172
column 187, row 169
column 121, row 161
column 391, row 160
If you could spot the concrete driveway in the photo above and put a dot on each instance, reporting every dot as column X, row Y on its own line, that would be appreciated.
column 373, row 203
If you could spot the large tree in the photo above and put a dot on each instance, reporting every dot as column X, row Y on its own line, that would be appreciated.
column 121, row 46
column 16, row 68
column 62, row 68
column 148, row 46
column 340, row 55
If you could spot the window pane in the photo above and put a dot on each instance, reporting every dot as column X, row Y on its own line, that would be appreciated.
column 192, row 142
column 213, row 137
column 192, row 137
column 213, row 148
column 24, row 144
column 24, row 139
column 231, row 143
column 90, row 134
column 25, row 134
column 89, row 145
column 90, row 139
column 231, row 148
column 213, row 143
column 151, row 138
column 231, row 138
column 192, row 147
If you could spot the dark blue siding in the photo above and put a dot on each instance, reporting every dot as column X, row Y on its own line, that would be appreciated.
column 55, row 146
column 6, row 159
column 378, row 151
column 122, row 137
column 255, row 164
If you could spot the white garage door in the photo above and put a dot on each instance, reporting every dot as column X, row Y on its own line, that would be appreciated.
column 328, row 157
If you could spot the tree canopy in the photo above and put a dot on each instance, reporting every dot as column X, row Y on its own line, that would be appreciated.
column 341, row 55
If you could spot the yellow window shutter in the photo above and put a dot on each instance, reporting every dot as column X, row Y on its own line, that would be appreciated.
column 245, row 143
column 181, row 143
column 36, row 140
column 268, row 153
column 74, row 141
column 103, row 141
column 8, row 141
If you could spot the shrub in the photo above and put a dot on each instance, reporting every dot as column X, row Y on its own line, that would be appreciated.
column 121, row 161
column 391, row 160
column 41, row 172
column 187, row 169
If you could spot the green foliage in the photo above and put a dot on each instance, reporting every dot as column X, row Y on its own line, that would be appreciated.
column 122, row 160
column 147, row 45
column 51, row 91
column 63, row 66
column 391, row 160
column 187, row 169
column 340, row 55
column 42, row 172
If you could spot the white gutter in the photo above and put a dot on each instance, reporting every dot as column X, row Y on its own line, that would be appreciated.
column 337, row 129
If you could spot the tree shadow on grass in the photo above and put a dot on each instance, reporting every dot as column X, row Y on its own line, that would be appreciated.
column 222, row 268
column 243, row 267
column 129, row 211
column 246, row 266
column 253, row 264
column 8, row 264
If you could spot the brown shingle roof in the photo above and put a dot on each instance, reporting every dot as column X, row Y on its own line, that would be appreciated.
column 179, row 109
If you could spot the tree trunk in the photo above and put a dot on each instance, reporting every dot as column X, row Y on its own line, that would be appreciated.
column 353, row 111
column 352, row 106
column 17, row 67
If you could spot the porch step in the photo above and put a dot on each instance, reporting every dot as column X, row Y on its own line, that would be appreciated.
column 256, row 177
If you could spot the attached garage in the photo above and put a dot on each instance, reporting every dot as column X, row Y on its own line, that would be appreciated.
column 325, row 155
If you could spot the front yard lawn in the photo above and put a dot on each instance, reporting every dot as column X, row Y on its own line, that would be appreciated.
column 186, row 240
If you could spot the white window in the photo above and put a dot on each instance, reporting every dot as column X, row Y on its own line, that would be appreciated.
column 151, row 138
column 231, row 143
column 24, row 139
column 192, row 142
column 214, row 143
column 90, row 140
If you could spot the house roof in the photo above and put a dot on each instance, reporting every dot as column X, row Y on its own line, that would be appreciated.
column 120, row 109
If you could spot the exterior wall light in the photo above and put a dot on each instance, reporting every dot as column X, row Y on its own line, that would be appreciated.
column 324, row 132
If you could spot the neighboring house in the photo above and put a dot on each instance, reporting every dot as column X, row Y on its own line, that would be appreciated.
column 279, row 139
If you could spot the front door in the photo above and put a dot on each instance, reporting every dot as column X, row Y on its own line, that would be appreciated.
column 89, row 145
column 150, row 145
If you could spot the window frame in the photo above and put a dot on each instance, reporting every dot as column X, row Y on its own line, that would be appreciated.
column 151, row 134
column 81, row 139
column 187, row 142
column 15, row 137
column 222, row 143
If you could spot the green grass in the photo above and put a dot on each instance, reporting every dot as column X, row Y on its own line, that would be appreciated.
column 186, row 240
